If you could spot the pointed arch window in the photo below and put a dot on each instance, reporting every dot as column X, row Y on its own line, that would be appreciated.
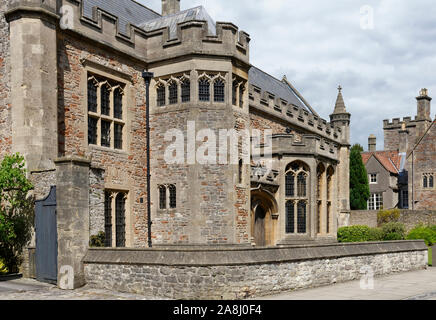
column 173, row 196
column 92, row 95
column 161, row 97
column 173, row 92
column 296, row 205
column 218, row 90
column 204, row 89
column 290, row 184
column 105, row 99
column 431, row 181
column 108, row 219
column 118, row 103
column 162, row 197
column 186, row 90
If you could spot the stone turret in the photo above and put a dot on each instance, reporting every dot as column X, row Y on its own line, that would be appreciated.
column 341, row 118
column 170, row 7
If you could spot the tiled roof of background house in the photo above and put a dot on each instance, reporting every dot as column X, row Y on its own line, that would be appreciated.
column 391, row 160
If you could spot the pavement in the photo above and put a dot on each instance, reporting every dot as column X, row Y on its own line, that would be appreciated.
column 414, row 285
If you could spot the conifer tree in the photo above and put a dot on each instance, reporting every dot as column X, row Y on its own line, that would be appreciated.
column 359, row 185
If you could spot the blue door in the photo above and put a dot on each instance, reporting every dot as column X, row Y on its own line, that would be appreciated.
column 46, row 239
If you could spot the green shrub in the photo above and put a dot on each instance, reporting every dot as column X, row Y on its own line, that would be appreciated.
column 97, row 241
column 354, row 234
column 375, row 234
column 393, row 231
column 3, row 269
column 386, row 216
column 421, row 232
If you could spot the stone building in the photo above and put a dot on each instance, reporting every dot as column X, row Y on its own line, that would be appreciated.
column 73, row 102
column 407, row 170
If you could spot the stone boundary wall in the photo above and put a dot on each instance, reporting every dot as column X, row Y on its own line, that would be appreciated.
column 410, row 218
column 241, row 273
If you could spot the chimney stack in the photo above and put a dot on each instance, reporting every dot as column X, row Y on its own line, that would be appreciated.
column 170, row 7
column 404, row 138
column 423, row 105
column 372, row 143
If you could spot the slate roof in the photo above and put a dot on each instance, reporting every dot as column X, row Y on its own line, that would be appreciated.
column 390, row 160
column 273, row 85
column 171, row 21
column 127, row 11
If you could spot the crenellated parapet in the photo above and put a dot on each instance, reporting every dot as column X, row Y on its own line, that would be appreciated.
column 396, row 123
column 295, row 115
column 193, row 37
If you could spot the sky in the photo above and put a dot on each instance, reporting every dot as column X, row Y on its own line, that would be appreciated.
column 382, row 52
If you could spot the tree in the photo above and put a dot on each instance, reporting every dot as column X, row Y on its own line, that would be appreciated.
column 359, row 185
column 16, row 211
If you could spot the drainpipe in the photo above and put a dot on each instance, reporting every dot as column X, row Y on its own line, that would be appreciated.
column 147, row 78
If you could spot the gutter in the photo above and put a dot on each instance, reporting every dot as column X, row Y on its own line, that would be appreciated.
column 147, row 78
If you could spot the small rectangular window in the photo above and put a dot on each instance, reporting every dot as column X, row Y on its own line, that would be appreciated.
column 108, row 219
column 105, row 133
column 173, row 93
column 173, row 196
column 204, row 90
column 186, row 91
column 161, row 96
column 373, row 178
column 162, row 197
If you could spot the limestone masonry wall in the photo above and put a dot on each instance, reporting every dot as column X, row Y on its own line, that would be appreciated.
column 5, row 104
column 237, row 274
column 410, row 218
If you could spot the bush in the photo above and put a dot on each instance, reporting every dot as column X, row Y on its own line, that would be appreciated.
column 421, row 232
column 354, row 234
column 16, row 211
column 97, row 241
column 386, row 216
column 376, row 234
column 393, row 231
column 3, row 269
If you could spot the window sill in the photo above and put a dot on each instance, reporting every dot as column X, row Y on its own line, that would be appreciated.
column 107, row 149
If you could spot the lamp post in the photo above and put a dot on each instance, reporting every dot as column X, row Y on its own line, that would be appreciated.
column 147, row 78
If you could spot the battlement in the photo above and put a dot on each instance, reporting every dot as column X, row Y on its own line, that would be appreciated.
column 295, row 115
column 396, row 123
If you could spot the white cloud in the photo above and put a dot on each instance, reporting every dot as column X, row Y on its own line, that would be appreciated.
column 319, row 44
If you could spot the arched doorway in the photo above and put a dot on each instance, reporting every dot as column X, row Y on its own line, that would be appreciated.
column 263, row 217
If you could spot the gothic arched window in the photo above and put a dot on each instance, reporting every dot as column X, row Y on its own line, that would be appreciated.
column 218, row 90
column 431, row 181
column 162, row 197
column 186, row 90
column 118, row 104
column 425, row 182
column 173, row 92
column 92, row 96
column 173, row 196
column 204, row 89
column 297, row 174
column 160, row 92
column 105, row 99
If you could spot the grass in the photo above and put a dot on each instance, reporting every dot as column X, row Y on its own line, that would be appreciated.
column 430, row 257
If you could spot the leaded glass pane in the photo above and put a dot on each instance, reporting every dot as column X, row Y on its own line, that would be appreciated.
column 92, row 96
column 219, row 90
column 301, row 185
column 290, row 217
column 204, row 90
column 118, row 136
column 108, row 219
column 160, row 96
column 162, row 197
column 120, row 204
column 290, row 181
column 241, row 96
column 105, row 133
column 301, row 218
column 173, row 93
column 92, row 130
column 118, row 104
column 430, row 182
column 105, row 100
column 173, row 196
column 186, row 91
